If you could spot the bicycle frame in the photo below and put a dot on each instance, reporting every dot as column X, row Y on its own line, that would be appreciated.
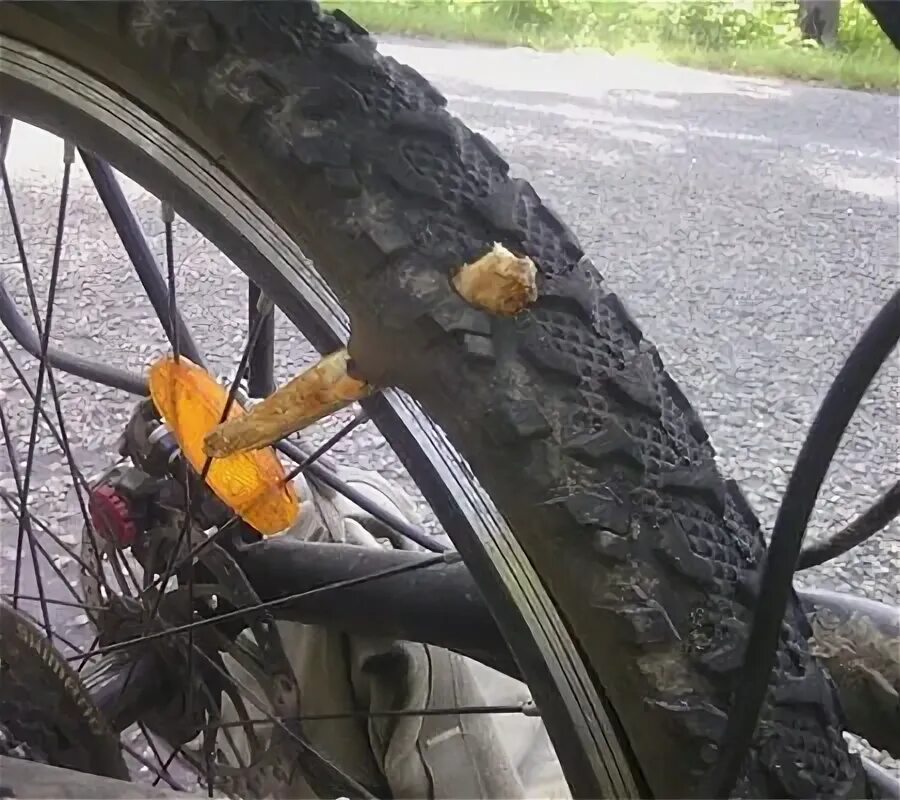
column 440, row 605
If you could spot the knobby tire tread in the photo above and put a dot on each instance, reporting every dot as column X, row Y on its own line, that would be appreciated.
column 650, row 554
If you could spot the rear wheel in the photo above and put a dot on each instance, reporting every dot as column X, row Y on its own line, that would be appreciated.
column 625, row 583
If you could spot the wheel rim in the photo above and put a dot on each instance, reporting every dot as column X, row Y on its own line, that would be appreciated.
column 40, row 85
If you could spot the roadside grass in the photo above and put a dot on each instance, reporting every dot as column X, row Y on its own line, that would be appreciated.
column 834, row 68
column 878, row 70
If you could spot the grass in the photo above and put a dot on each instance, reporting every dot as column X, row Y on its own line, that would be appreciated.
column 856, row 71
column 876, row 71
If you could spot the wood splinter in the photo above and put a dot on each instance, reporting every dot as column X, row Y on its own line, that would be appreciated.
column 498, row 282
column 319, row 391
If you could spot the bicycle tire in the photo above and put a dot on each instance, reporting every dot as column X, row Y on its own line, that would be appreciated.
column 45, row 703
column 647, row 551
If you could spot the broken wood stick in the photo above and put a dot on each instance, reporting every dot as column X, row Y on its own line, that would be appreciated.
column 319, row 391
column 499, row 282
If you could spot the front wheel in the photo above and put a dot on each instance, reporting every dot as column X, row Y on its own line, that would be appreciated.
column 621, row 564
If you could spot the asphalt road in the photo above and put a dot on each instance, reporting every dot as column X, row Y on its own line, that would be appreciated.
column 751, row 225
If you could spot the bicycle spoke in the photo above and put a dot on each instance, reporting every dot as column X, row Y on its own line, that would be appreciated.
column 49, row 601
column 20, row 330
column 162, row 772
column 42, row 598
column 168, row 217
column 320, row 451
column 26, row 385
column 299, row 469
column 186, row 755
column 73, row 554
column 232, row 394
column 270, row 719
column 194, row 552
column 259, row 323
column 265, row 310
column 181, row 753
column 393, row 521
column 43, row 331
column 54, row 602
column 60, row 574
column 270, row 604
column 236, row 698
column 86, row 658
column 139, row 253
column 77, row 474
column 69, row 553
column 159, row 771
column 24, row 524
column 115, row 559
column 168, row 220
column 203, row 771
column 241, row 708
column 527, row 709
column 79, row 652
column 164, row 766
column 305, row 464
column 189, row 502
column 248, row 694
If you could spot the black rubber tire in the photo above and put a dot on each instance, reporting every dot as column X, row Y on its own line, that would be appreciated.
column 650, row 554
column 44, row 705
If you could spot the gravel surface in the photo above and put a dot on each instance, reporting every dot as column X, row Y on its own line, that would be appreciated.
column 751, row 225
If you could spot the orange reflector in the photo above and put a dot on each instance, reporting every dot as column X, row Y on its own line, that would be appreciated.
column 252, row 484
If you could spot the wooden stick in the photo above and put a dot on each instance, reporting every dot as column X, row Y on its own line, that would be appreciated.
column 319, row 391
column 499, row 282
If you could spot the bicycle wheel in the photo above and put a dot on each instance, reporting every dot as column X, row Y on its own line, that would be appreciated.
column 624, row 584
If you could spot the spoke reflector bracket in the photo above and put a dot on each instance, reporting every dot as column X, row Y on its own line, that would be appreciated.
column 253, row 485
column 319, row 391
